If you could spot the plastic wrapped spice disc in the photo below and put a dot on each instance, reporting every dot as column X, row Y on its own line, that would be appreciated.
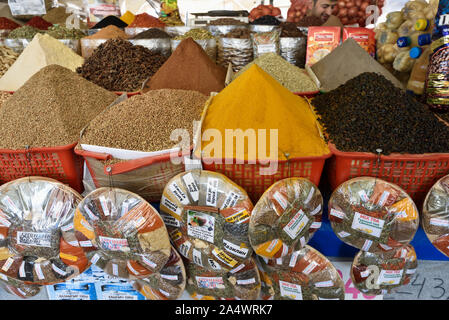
column 22, row 290
column 38, row 241
column 242, row 283
column 207, row 216
column 124, row 234
column 373, row 215
column 168, row 284
column 304, row 275
column 285, row 217
column 435, row 215
column 380, row 273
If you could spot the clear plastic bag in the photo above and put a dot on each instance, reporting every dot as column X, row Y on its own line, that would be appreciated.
column 435, row 215
column 21, row 290
column 372, row 214
column 168, row 284
column 238, row 52
column 381, row 273
column 161, row 46
column 265, row 42
column 242, row 283
column 222, row 30
column 285, row 218
column 207, row 216
column 122, row 233
column 39, row 244
column 294, row 50
column 304, row 275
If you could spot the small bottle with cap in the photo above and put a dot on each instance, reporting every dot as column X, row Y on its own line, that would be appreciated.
column 415, row 52
column 422, row 25
column 424, row 39
column 403, row 42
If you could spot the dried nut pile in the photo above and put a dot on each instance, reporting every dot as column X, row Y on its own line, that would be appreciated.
column 118, row 65
column 135, row 124
column 7, row 58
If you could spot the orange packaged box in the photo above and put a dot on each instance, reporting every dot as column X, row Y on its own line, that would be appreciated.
column 320, row 42
column 363, row 36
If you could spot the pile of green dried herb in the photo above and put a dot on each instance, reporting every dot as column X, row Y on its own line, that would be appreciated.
column 368, row 113
column 62, row 32
column 25, row 32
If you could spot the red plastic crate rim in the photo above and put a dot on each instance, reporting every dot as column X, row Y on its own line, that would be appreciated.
column 60, row 163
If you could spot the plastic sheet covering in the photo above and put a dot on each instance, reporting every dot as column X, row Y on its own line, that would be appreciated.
column 304, row 275
column 220, row 31
column 294, row 50
column 88, row 46
column 376, row 274
column 242, row 283
column 238, row 52
column 207, row 216
column 257, row 28
column 122, row 233
column 435, row 215
column 19, row 289
column 39, row 244
column 208, row 45
column 373, row 215
column 168, row 284
column 265, row 42
column 161, row 46
column 285, row 218
column 18, row 45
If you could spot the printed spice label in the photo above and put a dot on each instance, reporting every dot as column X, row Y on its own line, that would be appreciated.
column 235, row 249
column 369, row 225
column 114, row 244
column 223, row 257
column 210, row 282
column 200, row 225
column 390, row 277
column 296, row 224
column 239, row 217
column 290, row 290
column 37, row 239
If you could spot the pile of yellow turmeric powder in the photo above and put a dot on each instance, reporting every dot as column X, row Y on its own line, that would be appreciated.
column 256, row 101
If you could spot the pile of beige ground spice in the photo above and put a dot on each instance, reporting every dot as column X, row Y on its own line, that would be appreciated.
column 145, row 122
column 50, row 109
column 4, row 96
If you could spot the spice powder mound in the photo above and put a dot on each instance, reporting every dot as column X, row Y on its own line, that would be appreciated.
column 145, row 122
column 50, row 109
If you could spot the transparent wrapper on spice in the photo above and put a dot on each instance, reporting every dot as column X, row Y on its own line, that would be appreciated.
column 4, row 33
column 161, row 46
column 241, row 283
column 381, row 273
column 222, row 30
column 320, row 42
column 294, row 50
column 19, row 289
column 373, row 215
column 99, row 9
column 28, row 9
column 435, row 215
column 167, row 284
column 304, row 275
column 238, row 52
column 18, row 45
column 175, row 31
column 120, row 229
column 209, row 45
column 265, row 42
column 258, row 28
column 132, row 32
column 88, row 46
column 285, row 218
column 207, row 216
column 39, row 243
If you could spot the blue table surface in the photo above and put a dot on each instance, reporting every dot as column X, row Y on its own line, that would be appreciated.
column 325, row 240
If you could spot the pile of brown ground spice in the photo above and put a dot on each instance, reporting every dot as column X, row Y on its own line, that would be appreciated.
column 50, row 109
column 189, row 68
column 145, row 122
column 109, row 32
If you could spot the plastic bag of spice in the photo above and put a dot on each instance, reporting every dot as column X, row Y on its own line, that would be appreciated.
column 39, row 244
column 285, row 218
column 167, row 284
column 238, row 52
column 21, row 290
column 380, row 273
column 207, row 216
column 304, row 275
column 435, row 215
column 294, row 50
column 241, row 283
column 372, row 214
column 265, row 42
column 124, row 235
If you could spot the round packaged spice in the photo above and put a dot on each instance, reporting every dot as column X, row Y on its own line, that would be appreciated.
column 285, row 218
column 435, row 215
column 241, row 283
column 372, row 214
column 22, row 290
column 207, row 216
column 304, row 275
column 39, row 243
column 168, row 284
column 380, row 273
column 124, row 235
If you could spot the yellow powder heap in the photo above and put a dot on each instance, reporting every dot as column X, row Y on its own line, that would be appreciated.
column 255, row 100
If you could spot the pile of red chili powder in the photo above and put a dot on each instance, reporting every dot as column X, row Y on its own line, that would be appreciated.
column 144, row 20
column 7, row 24
column 39, row 23
column 189, row 68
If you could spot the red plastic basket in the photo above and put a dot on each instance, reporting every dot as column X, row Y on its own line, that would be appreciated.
column 309, row 94
column 60, row 163
column 416, row 174
column 248, row 175
column 145, row 176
